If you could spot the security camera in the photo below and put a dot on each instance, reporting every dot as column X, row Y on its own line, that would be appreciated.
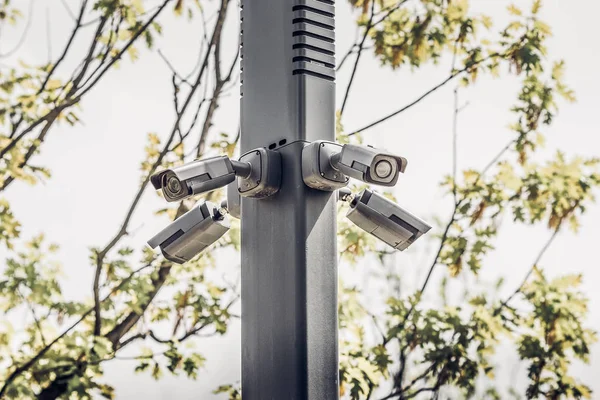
column 258, row 172
column 191, row 233
column 384, row 219
column 196, row 177
column 327, row 165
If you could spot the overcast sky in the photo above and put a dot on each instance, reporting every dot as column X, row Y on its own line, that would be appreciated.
column 96, row 175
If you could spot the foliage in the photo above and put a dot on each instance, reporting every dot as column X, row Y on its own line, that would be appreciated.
column 157, row 310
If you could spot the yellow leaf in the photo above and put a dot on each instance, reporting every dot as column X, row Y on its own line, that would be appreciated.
column 138, row 6
column 506, row 176
column 540, row 140
column 574, row 223
column 133, row 53
column 457, row 9
column 470, row 176
column 567, row 281
column 558, row 70
column 153, row 138
column 512, row 9
column 487, row 21
column 178, row 7
column 543, row 27
column 585, row 392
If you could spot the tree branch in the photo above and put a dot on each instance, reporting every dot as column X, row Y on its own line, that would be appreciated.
column 132, row 40
column 533, row 266
column 72, row 97
column 358, row 55
column 67, row 47
column 23, row 35
column 426, row 94
column 131, row 319
column 214, row 101
column 35, row 318
column 26, row 366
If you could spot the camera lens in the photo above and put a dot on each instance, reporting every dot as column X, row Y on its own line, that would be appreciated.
column 383, row 169
column 173, row 184
column 173, row 189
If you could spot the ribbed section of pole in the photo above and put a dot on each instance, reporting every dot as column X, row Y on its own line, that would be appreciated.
column 289, row 260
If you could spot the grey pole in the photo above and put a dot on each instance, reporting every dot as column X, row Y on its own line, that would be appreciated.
column 289, row 265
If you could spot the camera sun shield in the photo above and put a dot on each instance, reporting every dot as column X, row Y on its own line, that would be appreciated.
column 386, row 220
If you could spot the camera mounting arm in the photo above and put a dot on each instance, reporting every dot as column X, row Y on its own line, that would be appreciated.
column 258, row 173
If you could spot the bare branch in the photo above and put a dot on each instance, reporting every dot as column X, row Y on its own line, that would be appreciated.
column 35, row 318
column 31, row 151
column 48, row 34
column 533, row 266
column 426, row 94
column 50, row 116
column 89, row 56
column 68, row 9
column 358, row 55
column 350, row 51
column 172, row 68
column 130, row 320
column 23, row 35
column 214, row 102
column 132, row 40
column 71, row 97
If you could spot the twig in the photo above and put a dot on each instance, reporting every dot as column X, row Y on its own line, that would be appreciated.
column 350, row 51
column 23, row 35
column 68, row 9
column 358, row 55
column 48, row 34
column 24, row 367
column 455, row 147
column 35, row 318
column 131, row 319
column 533, row 266
column 172, row 68
column 132, row 40
column 72, row 97
column 214, row 102
column 426, row 94
column 389, row 12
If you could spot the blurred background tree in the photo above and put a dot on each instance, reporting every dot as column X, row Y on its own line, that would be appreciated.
column 406, row 347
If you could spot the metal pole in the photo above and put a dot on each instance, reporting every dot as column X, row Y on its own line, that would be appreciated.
column 289, row 265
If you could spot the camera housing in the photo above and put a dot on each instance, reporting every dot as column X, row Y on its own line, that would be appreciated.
column 386, row 220
column 196, row 177
column 369, row 164
column 258, row 172
column 191, row 233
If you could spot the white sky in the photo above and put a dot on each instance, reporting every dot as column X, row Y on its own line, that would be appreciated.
column 78, row 208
